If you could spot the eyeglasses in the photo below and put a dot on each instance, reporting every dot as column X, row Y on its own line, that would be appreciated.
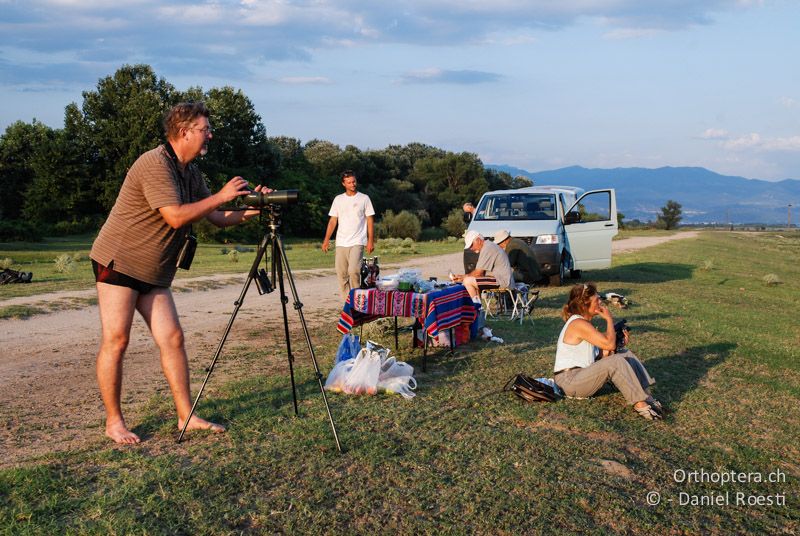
column 204, row 130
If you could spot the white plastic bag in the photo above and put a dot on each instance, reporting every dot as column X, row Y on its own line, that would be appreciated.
column 392, row 368
column 338, row 375
column 363, row 378
column 402, row 385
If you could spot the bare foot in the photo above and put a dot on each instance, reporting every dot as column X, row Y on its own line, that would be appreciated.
column 196, row 423
column 120, row 433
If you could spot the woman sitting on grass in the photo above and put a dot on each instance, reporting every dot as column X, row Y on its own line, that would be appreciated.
column 580, row 371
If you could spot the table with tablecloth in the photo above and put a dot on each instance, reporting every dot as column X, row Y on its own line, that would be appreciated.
column 437, row 310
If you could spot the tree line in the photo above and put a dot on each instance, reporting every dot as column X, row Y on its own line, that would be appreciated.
column 65, row 180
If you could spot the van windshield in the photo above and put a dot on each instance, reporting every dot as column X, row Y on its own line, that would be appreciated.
column 517, row 207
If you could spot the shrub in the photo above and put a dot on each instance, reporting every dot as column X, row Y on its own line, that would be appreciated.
column 454, row 224
column 233, row 255
column 432, row 233
column 771, row 280
column 84, row 225
column 402, row 225
column 708, row 265
column 64, row 263
column 19, row 231
column 6, row 263
column 401, row 246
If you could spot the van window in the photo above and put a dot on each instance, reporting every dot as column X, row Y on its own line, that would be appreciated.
column 595, row 207
column 503, row 207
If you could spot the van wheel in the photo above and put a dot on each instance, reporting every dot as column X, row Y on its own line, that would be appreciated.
column 556, row 280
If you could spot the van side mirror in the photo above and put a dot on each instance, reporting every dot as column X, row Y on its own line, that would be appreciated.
column 572, row 217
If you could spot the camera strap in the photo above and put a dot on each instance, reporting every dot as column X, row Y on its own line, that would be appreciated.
column 184, row 189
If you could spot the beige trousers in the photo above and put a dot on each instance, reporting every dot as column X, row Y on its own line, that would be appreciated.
column 624, row 370
column 348, row 268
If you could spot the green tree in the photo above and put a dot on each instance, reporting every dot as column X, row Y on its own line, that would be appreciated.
column 670, row 215
column 446, row 181
column 239, row 145
column 325, row 159
column 18, row 147
column 123, row 119
column 61, row 189
column 402, row 225
column 453, row 224
column 290, row 151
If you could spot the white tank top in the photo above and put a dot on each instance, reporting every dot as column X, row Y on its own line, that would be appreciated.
column 568, row 356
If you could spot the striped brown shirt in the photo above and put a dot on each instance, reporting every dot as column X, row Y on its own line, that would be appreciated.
column 135, row 239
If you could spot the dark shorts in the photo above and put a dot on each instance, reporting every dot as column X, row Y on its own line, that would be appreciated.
column 486, row 282
column 104, row 274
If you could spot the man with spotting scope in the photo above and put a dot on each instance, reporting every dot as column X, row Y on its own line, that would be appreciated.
column 137, row 252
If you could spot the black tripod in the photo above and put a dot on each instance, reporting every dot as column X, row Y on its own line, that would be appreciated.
column 271, row 244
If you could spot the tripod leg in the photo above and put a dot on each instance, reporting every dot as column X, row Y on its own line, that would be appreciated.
column 237, row 305
column 277, row 269
column 299, row 307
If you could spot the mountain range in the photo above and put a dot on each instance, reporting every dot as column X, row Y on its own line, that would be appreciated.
column 706, row 197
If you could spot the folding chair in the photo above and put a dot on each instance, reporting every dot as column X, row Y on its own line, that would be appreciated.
column 510, row 303
column 524, row 300
column 494, row 304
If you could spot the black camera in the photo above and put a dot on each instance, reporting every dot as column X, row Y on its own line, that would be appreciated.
column 619, row 328
column 276, row 197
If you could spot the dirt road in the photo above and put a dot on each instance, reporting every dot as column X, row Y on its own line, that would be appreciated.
column 48, row 391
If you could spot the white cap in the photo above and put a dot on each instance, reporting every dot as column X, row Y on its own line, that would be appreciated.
column 501, row 235
column 470, row 237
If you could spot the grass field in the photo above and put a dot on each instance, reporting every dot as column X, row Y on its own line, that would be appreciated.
column 464, row 457
column 210, row 259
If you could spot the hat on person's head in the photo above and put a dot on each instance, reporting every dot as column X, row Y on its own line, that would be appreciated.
column 470, row 237
column 501, row 236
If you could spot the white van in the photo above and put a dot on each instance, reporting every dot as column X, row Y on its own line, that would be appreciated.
column 568, row 229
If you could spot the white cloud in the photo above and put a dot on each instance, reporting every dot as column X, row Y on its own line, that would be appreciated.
column 202, row 14
column 756, row 142
column 787, row 102
column 305, row 80
column 631, row 33
column 714, row 134
column 92, row 4
column 791, row 144
column 435, row 75
column 750, row 141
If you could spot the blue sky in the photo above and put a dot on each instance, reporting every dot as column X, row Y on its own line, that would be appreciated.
column 535, row 84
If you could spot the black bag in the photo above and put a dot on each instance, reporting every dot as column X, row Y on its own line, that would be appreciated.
column 8, row 276
column 186, row 254
column 532, row 390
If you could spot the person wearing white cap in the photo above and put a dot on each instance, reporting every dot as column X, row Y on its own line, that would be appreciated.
column 492, row 269
column 521, row 257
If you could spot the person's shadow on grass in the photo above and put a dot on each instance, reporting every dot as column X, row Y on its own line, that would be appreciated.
column 678, row 374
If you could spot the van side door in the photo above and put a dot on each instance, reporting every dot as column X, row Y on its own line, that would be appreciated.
column 590, row 225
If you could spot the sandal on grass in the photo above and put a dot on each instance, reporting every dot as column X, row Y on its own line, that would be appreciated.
column 656, row 406
column 648, row 413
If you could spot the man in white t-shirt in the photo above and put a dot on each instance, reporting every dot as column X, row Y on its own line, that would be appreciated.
column 352, row 211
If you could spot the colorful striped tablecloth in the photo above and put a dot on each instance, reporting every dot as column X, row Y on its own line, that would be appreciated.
column 437, row 310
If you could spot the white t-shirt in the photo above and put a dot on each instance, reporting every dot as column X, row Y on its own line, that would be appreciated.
column 352, row 212
column 580, row 355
